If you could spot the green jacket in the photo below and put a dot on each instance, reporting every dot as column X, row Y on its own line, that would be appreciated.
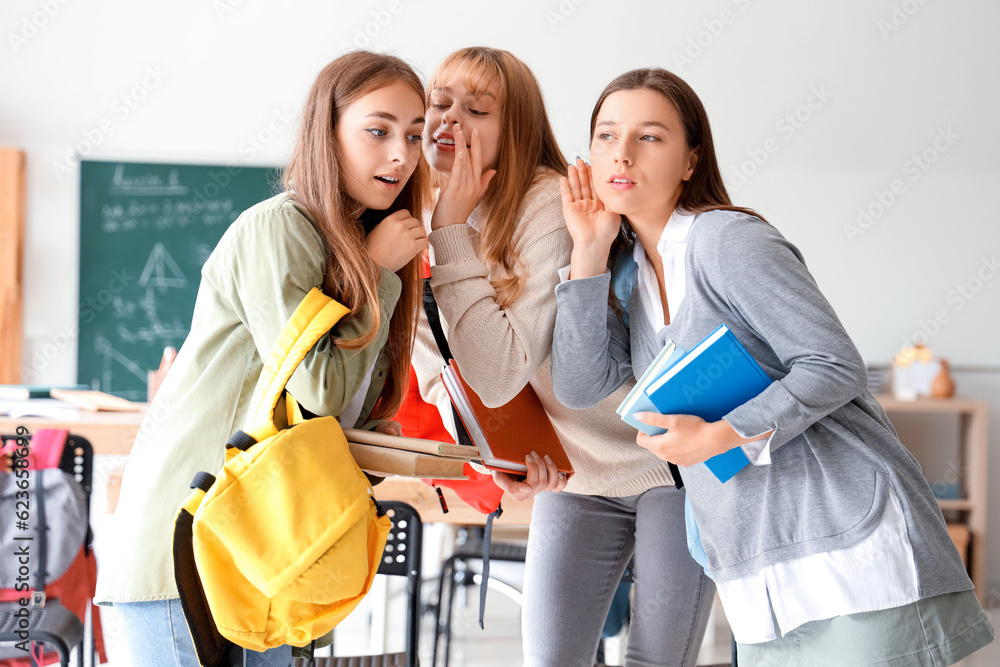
column 261, row 269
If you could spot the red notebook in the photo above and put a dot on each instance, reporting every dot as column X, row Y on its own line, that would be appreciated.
column 505, row 435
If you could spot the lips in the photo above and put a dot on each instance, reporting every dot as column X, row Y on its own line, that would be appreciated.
column 444, row 141
column 621, row 182
column 389, row 180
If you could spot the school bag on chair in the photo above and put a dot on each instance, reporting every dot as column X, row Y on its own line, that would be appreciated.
column 284, row 542
column 63, row 569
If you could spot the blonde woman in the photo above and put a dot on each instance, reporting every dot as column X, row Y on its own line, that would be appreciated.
column 498, row 240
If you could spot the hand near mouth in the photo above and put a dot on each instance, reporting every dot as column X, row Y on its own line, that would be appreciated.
column 396, row 240
column 592, row 227
column 465, row 184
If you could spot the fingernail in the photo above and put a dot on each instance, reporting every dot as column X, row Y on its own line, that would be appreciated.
column 475, row 131
column 563, row 476
column 639, row 415
column 548, row 459
column 524, row 488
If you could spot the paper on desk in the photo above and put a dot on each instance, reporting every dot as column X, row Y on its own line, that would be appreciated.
column 49, row 408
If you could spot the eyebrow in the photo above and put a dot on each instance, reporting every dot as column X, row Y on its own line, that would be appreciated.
column 446, row 89
column 385, row 115
column 648, row 123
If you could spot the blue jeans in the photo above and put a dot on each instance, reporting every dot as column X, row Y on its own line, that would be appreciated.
column 158, row 636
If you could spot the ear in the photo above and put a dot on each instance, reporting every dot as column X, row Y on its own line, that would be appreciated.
column 692, row 163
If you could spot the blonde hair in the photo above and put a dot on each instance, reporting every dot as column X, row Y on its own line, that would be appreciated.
column 526, row 144
column 314, row 176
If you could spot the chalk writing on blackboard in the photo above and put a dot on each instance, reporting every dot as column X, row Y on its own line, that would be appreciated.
column 157, row 224
column 146, row 184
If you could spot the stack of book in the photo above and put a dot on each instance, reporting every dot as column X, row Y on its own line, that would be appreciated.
column 710, row 381
column 385, row 454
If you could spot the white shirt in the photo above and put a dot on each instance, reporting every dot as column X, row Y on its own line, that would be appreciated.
column 349, row 416
column 672, row 248
column 877, row 573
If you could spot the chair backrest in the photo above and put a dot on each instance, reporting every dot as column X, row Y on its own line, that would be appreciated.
column 78, row 461
column 402, row 557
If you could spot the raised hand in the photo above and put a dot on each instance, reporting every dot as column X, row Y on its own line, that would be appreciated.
column 592, row 227
column 396, row 240
column 465, row 184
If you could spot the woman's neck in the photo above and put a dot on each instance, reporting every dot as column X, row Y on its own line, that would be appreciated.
column 648, row 227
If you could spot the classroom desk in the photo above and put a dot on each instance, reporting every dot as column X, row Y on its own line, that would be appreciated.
column 108, row 432
column 425, row 500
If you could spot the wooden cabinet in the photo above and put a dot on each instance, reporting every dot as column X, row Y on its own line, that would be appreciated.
column 970, row 508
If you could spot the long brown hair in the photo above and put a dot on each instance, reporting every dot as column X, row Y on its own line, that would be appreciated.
column 705, row 190
column 314, row 177
column 526, row 144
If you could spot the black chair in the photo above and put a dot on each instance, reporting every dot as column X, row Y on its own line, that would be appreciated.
column 49, row 622
column 455, row 572
column 401, row 557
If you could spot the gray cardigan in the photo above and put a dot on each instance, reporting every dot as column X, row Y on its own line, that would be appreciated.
column 834, row 453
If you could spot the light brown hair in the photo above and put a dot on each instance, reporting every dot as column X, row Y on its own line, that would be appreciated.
column 314, row 177
column 527, row 143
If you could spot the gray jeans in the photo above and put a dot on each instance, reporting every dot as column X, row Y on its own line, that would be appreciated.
column 578, row 548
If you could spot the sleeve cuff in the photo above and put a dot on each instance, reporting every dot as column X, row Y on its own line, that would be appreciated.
column 564, row 273
column 759, row 451
column 452, row 244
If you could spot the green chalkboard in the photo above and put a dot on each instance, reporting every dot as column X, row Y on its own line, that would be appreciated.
column 145, row 232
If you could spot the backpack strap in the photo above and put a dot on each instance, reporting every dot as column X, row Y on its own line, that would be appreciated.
column 622, row 281
column 314, row 316
column 41, row 573
column 434, row 319
column 623, row 278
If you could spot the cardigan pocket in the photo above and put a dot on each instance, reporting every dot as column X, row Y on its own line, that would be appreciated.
column 801, row 515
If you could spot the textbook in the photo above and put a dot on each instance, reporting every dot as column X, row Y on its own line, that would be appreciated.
column 389, row 461
column 710, row 381
column 419, row 445
column 93, row 401
column 505, row 435
column 637, row 400
column 46, row 408
column 23, row 391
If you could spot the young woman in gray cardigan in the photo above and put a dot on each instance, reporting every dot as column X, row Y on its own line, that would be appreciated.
column 830, row 549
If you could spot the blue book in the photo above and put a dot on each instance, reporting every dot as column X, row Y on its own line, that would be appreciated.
column 637, row 400
column 710, row 381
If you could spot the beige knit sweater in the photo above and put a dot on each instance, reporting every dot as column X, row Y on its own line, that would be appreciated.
column 501, row 349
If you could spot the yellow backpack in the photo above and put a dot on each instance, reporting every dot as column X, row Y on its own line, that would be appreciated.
column 284, row 542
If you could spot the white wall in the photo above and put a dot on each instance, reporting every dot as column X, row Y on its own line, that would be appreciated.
column 216, row 81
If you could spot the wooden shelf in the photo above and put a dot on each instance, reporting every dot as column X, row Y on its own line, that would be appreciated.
column 958, row 404
column 947, row 505
column 973, row 449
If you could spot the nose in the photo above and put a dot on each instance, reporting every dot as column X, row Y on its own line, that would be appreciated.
column 450, row 116
column 623, row 156
column 399, row 152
